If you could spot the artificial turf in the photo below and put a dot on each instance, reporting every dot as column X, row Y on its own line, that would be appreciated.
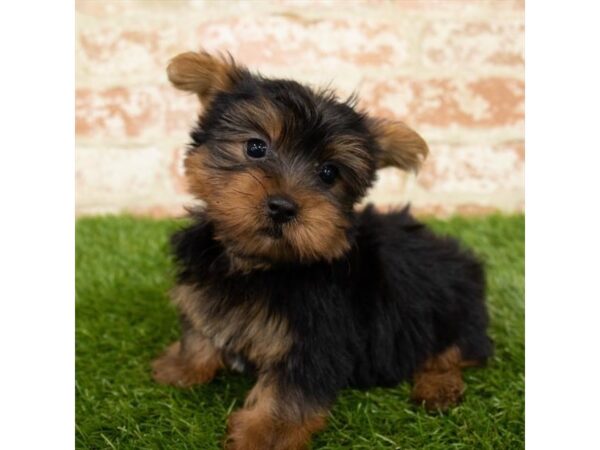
column 124, row 320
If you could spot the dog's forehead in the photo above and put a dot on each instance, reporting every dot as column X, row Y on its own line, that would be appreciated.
column 298, row 121
column 312, row 120
column 302, row 105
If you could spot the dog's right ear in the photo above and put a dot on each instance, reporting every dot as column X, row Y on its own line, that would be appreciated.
column 203, row 74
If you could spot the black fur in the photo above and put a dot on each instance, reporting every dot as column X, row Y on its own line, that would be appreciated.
column 370, row 318
column 366, row 298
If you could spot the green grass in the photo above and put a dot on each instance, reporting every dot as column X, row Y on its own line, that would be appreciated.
column 124, row 320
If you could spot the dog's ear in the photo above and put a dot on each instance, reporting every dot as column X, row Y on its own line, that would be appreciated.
column 400, row 146
column 203, row 74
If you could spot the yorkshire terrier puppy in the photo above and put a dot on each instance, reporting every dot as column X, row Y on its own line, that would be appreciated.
column 281, row 277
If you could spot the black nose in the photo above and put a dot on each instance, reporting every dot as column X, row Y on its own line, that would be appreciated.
column 281, row 209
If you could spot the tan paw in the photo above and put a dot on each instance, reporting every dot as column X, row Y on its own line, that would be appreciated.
column 438, row 390
column 245, row 432
column 171, row 368
column 255, row 429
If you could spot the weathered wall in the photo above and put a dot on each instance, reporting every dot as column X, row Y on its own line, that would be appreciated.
column 452, row 69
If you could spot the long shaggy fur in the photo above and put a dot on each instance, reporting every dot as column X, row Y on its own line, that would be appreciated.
column 325, row 298
column 371, row 318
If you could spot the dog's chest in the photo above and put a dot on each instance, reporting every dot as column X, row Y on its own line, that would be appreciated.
column 245, row 331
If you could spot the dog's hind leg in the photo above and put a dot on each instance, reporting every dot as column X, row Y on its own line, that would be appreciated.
column 438, row 384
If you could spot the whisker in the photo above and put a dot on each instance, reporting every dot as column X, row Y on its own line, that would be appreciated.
column 259, row 182
column 245, row 194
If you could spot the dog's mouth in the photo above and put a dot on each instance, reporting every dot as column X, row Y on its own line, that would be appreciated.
column 274, row 231
column 270, row 246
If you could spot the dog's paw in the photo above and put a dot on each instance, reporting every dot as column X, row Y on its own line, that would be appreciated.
column 171, row 368
column 438, row 391
column 248, row 431
column 254, row 429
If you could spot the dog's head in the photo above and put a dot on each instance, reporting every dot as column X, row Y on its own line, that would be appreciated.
column 280, row 165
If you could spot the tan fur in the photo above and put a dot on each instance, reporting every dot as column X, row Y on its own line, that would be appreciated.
column 267, row 422
column 197, row 363
column 236, row 203
column 401, row 146
column 439, row 384
column 349, row 152
column 260, row 112
column 246, row 329
column 321, row 228
column 196, row 173
column 201, row 73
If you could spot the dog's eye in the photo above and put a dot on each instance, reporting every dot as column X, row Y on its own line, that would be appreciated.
column 328, row 173
column 256, row 148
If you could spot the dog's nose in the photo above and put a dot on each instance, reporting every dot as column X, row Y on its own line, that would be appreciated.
column 281, row 209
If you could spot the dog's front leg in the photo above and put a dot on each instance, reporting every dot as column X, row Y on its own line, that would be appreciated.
column 274, row 420
column 189, row 361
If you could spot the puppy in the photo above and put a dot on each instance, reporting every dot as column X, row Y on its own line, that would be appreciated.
column 279, row 276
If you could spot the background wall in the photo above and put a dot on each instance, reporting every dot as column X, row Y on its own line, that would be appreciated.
column 454, row 70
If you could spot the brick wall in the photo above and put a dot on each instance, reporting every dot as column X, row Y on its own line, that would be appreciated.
column 452, row 69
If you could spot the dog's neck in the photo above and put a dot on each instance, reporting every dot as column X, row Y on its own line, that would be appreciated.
column 239, row 263
column 245, row 264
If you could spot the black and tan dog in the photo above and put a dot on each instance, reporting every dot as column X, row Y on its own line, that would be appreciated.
column 280, row 277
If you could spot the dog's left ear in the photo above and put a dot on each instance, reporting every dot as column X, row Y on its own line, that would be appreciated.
column 400, row 146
